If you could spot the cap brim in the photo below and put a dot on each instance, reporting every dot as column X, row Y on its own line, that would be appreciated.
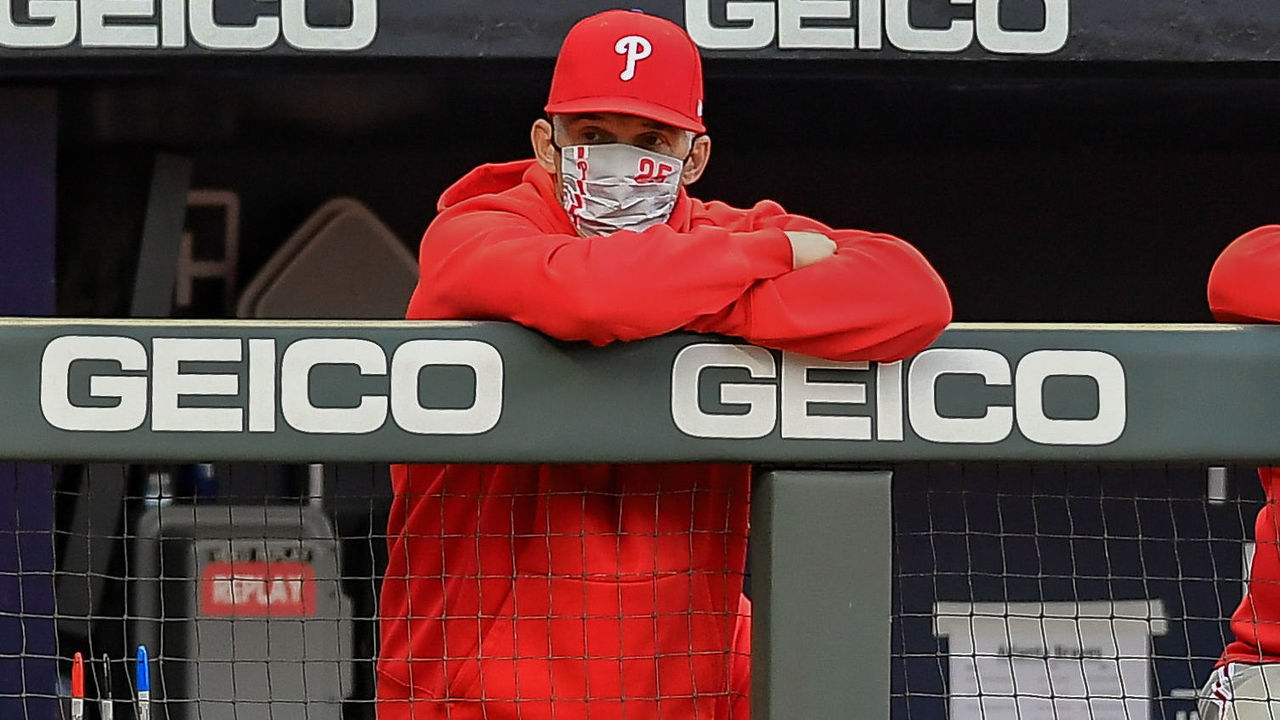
column 627, row 106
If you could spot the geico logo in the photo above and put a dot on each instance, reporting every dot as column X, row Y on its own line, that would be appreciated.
column 755, row 24
column 791, row 397
column 160, row 387
column 133, row 24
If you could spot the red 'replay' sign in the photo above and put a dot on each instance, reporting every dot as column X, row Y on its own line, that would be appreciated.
column 258, row 589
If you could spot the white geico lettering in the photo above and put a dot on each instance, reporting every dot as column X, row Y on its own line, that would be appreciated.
column 928, row 367
column 415, row 355
column 170, row 383
column 118, row 24
column 755, row 24
column 1028, row 399
column 761, row 399
column 130, row 393
column 794, row 395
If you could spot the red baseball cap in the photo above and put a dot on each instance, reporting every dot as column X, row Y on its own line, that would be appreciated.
column 628, row 62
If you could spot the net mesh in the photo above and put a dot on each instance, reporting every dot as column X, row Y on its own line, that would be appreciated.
column 1071, row 591
column 253, row 586
column 1020, row 591
column 579, row 590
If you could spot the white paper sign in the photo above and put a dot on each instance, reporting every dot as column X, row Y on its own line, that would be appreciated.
column 1050, row 661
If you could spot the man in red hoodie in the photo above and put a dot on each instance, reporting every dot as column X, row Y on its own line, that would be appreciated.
column 1242, row 288
column 568, row 592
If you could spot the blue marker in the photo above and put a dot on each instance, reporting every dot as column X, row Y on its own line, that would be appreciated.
column 144, row 684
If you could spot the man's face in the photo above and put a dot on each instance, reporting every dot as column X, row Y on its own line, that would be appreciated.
column 602, row 128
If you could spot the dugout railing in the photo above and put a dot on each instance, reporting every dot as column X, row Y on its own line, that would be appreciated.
column 827, row 437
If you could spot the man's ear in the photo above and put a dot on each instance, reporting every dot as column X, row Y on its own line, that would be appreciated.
column 699, row 156
column 543, row 151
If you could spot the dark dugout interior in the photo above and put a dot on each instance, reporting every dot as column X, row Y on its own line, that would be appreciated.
column 1041, row 191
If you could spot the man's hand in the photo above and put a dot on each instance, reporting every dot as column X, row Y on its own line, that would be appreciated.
column 808, row 248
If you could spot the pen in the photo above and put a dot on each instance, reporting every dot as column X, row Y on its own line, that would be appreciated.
column 106, row 706
column 77, row 688
column 144, row 684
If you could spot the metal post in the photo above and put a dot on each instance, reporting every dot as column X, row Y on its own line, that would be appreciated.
column 821, row 572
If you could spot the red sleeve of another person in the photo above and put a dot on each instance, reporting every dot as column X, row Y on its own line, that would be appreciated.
column 1244, row 285
column 1243, row 288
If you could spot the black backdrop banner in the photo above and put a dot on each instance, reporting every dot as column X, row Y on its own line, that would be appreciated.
column 1072, row 30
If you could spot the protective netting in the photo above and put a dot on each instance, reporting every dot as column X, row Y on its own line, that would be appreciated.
column 573, row 591
column 1021, row 591
column 253, row 586
column 1064, row 591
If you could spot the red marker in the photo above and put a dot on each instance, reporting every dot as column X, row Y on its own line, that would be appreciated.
column 77, row 688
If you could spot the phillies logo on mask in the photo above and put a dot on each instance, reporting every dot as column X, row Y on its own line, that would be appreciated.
column 635, row 48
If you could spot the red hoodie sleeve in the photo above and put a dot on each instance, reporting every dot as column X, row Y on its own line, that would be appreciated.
column 877, row 298
column 1244, row 284
column 497, row 264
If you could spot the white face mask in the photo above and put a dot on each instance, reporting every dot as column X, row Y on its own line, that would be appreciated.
column 618, row 187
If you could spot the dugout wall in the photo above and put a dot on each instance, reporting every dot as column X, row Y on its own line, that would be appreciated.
column 1045, row 583
column 1085, row 177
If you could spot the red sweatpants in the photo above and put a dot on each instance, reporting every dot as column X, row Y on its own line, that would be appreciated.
column 735, row 705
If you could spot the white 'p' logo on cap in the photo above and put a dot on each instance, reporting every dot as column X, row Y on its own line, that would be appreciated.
column 635, row 48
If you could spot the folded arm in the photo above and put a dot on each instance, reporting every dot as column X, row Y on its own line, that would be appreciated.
column 877, row 298
column 622, row 286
